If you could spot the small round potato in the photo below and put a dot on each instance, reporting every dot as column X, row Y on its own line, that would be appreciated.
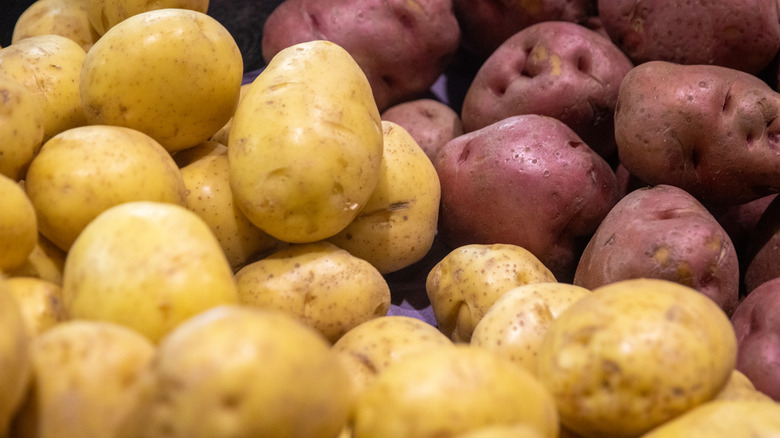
column 49, row 66
column 210, row 197
column 451, row 390
column 397, row 225
column 68, row 18
column 18, row 225
column 40, row 302
column 305, row 145
column 468, row 281
column 174, row 74
column 634, row 354
column 370, row 347
column 430, row 122
column 248, row 372
column 21, row 128
column 105, row 14
column 15, row 357
column 46, row 261
column 147, row 265
column 515, row 324
column 81, row 172
column 724, row 419
column 87, row 377
column 318, row 283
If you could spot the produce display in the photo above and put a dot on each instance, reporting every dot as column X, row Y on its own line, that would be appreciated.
column 404, row 218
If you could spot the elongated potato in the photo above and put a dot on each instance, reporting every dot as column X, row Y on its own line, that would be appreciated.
column 305, row 146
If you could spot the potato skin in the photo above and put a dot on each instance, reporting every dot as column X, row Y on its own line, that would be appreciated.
column 743, row 35
column 555, row 68
column 762, row 252
column 663, row 232
column 491, row 176
column 425, row 35
column 710, row 130
column 757, row 327
column 430, row 122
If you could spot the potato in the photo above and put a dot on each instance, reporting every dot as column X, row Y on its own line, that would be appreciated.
column 663, row 232
column 40, row 302
column 514, row 326
column 425, row 36
column 46, row 261
column 707, row 129
column 487, row 24
column 105, row 14
column 81, row 172
column 761, row 259
column 510, row 431
column 147, row 265
column 68, row 18
column 451, row 390
column 634, row 354
column 741, row 35
column 208, row 194
column 318, row 283
column 18, row 225
column 242, row 371
column 757, row 328
column 397, row 225
column 723, row 419
column 21, row 128
column 86, row 379
column 739, row 387
column 14, row 357
column 49, row 66
column 554, row 68
column 739, row 220
column 430, row 122
column 468, row 280
column 370, row 347
column 304, row 165
column 174, row 74
column 491, row 176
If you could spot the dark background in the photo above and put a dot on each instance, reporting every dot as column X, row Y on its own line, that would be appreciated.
column 244, row 19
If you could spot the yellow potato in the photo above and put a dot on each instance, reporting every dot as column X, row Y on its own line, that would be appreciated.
column 86, row 380
column 509, row 431
column 105, row 14
column 238, row 371
column 18, row 225
column 634, row 354
column 739, row 387
column 305, row 144
column 724, row 419
column 146, row 265
column 451, row 390
column 40, row 302
column 68, row 18
column 21, row 128
column 515, row 324
column 14, row 357
column 398, row 223
column 223, row 135
column 46, row 261
column 210, row 197
column 83, row 171
column 174, row 74
column 188, row 156
column 370, row 347
column 318, row 283
column 468, row 280
column 49, row 66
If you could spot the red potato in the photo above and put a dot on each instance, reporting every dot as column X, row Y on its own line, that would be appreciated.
column 710, row 130
column 527, row 180
column 757, row 326
column 486, row 24
column 662, row 232
column 743, row 35
column 431, row 123
column 557, row 69
column 762, row 248
column 402, row 46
